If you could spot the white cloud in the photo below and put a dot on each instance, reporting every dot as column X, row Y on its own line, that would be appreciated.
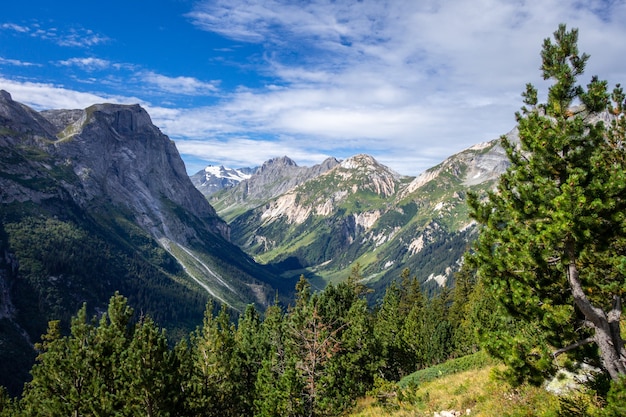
column 42, row 96
column 408, row 73
column 179, row 85
column 88, row 64
column 82, row 38
column 17, row 63
column 15, row 27
column 75, row 37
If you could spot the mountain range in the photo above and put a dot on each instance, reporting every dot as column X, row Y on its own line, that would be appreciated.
column 97, row 200
column 340, row 214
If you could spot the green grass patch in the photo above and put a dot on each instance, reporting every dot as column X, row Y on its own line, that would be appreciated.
column 466, row 363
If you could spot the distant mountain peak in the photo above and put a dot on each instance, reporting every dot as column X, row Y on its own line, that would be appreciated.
column 281, row 160
column 214, row 178
column 358, row 161
column 275, row 177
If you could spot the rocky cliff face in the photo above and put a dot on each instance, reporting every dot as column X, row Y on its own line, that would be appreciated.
column 117, row 152
column 95, row 201
column 272, row 179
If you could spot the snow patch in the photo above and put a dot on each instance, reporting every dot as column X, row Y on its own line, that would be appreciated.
column 223, row 172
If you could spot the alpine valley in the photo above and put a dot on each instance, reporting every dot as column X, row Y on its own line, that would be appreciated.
column 97, row 200
column 325, row 220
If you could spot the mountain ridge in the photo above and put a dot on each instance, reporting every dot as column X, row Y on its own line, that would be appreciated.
column 360, row 211
column 95, row 201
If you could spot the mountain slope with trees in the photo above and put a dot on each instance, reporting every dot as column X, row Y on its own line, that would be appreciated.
column 361, row 212
column 95, row 201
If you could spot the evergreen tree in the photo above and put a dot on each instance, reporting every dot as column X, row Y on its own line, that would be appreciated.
column 399, row 327
column 151, row 370
column 211, row 386
column 277, row 386
column 247, row 358
column 81, row 374
column 552, row 243
column 348, row 373
column 435, row 332
column 411, row 309
column 459, row 315
column 388, row 333
column 8, row 407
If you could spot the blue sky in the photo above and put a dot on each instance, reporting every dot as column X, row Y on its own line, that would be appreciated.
column 237, row 82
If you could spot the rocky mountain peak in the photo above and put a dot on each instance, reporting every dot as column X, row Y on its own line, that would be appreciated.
column 275, row 177
column 23, row 121
column 369, row 174
column 359, row 161
column 283, row 161
column 116, row 151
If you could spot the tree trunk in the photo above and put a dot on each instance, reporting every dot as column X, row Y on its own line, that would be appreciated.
column 606, row 326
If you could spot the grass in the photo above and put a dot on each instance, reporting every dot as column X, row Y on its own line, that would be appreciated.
column 451, row 387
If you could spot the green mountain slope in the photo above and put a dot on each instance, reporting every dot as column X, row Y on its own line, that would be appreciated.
column 96, row 201
column 362, row 212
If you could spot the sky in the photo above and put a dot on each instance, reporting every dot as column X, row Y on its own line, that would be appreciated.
column 237, row 82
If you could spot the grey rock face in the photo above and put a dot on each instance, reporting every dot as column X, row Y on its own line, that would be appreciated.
column 19, row 121
column 117, row 155
column 118, row 152
column 273, row 178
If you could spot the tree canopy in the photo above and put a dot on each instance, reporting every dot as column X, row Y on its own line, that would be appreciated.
column 552, row 247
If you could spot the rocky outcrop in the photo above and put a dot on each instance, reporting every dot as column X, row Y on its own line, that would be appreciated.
column 275, row 177
column 118, row 153
column 279, row 175
column 117, row 156
column 21, row 123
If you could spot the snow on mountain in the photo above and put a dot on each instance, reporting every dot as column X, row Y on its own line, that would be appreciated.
column 213, row 178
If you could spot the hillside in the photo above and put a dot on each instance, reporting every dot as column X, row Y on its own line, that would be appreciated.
column 95, row 201
column 360, row 211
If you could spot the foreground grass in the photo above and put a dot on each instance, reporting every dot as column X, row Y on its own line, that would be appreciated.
column 478, row 390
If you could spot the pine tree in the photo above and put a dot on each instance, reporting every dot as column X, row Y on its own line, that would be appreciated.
column 459, row 315
column 277, row 386
column 151, row 372
column 552, row 243
column 247, row 358
column 212, row 385
column 435, row 332
column 388, row 332
column 81, row 374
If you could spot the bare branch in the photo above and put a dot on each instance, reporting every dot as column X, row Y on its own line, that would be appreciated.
column 573, row 346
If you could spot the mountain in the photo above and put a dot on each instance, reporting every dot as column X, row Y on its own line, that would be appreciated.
column 95, row 201
column 273, row 178
column 215, row 178
column 360, row 211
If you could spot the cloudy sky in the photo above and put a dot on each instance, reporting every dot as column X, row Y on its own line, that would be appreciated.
column 236, row 82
